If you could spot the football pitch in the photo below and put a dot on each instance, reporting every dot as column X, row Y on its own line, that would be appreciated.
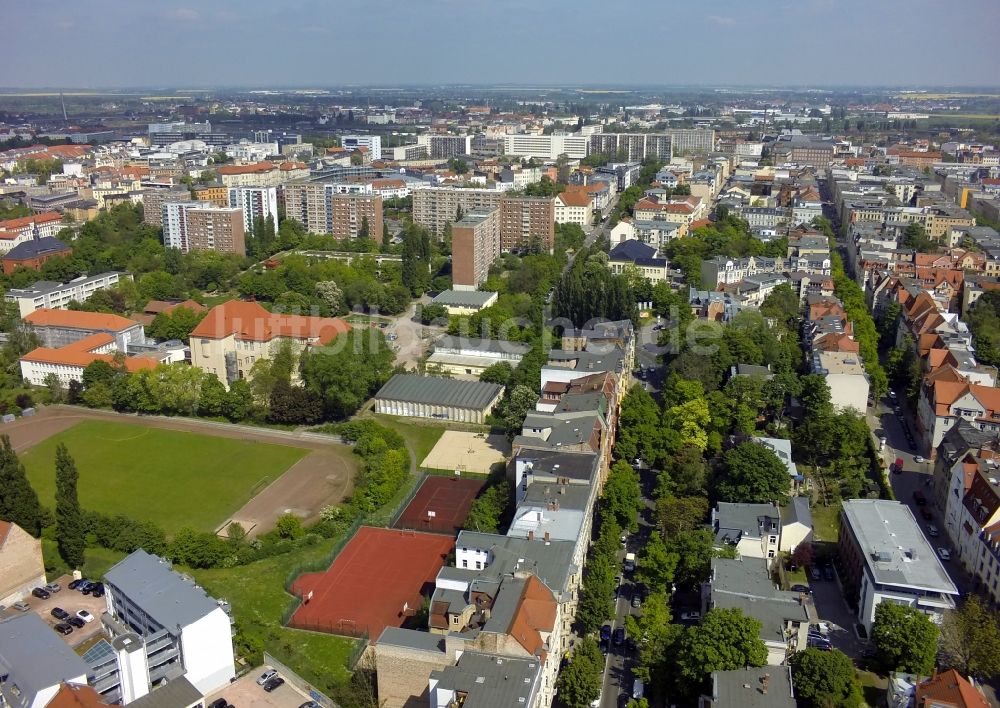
column 172, row 478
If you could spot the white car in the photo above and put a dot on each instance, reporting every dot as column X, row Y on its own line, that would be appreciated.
column 944, row 554
column 266, row 676
column 85, row 616
column 690, row 616
column 918, row 459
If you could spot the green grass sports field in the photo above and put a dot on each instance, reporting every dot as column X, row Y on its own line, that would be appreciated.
column 172, row 478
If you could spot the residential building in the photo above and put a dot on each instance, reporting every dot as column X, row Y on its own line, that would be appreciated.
column 404, row 153
column 255, row 203
column 57, row 296
column 764, row 687
column 21, row 565
column 686, row 210
column 443, row 147
column 745, row 584
column 691, row 140
column 435, row 207
column 948, row 689
column 846, row 378
column 527, row 222
column 465, row 302
column 214, row 229
column 14, row 232
column 234, row 335
column 322, row 210
column 165, row 626
column 371, row 143
column 885, row 557
column 217, row 195
column 796, row 524
column 36, row 662
column 546, row 147
column 33, row 254
column 644, row 259
column 153, row 201
column 475, row 246
column 634, row 147
column 68, row 362
column 574, row 207
column 949, row 397
column 484, row 678
column 979, row 522
column 782, row 448
column 465, row 356
column 411, row 395
column 753, row 529
column 262, row 174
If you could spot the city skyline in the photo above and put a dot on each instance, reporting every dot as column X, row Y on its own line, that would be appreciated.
column 220, row 43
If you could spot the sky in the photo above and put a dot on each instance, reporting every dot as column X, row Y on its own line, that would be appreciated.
column 321, row 43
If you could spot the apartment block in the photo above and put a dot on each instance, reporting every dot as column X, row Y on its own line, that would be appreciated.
column 475, row 246
column 255, row 202
column 59, row 295
column 372, row 143
column 685, row 140
column 526, row 222
column 216, row 194
column 410, row 152
column 154, row 199
column 634, row 146
column 434, row 207
column 546, row 147
column 14, row 232
column 216, row 229
column 322, row 210
column 442, row 147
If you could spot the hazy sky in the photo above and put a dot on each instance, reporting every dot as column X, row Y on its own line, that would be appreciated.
column 192, row 43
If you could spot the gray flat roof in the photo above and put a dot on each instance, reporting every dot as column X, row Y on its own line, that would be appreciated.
column 490, row 681
column 744, row 688
column 34, row 656
column 500, row 346
column 44, row 287
column 162, row 593
column 464, row 298
column 178, row 693
column 411, row 639
column 439, row 391
column 551, row 562
column 733, row 521
column 572, row 465
column 895, row 549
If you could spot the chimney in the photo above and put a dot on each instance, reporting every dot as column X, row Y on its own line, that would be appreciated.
column 765, row 679
column 531, row 535
column 546, row 536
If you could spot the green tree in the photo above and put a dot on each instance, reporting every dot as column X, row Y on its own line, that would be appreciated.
column 970, row 639
column 825, row 678
column 289, row 526
column 657, row 564
column 346, row 374
column 905, row 638
column 752, row 473
column 499, row 373
column 679, row 515
column 212, row 397
column 579, row 683
column 489, row 510
column 70, row 529
column 515, row 408
column 18, row 501
column 432, row 312
column 177, row 324
column 725, row 640
column 654, row 634
column 622, row 496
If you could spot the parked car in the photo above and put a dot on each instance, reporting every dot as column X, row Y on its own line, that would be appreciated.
column 53, row 587
column 59, row 613
column 97, row 590
column 618, row 638
column 828, row 572
column 919, row 499
column 63, row 628
column 932, row 531
column 606, row 633
column 76, row 622
column 74, row 584
column 85, row 616
column 897, row 466
column 21, row 606
column 944, row 554
column 692, row 616
column 801, row 588
column 84, row 586
column 815, row 574
column 274, row 683
column 630, row 645
column 636, row 599
column 309, row 704
column 41, row 593
column 266, row 676
column 218, row 703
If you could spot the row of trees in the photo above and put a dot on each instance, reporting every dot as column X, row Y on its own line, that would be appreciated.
column 588, row 290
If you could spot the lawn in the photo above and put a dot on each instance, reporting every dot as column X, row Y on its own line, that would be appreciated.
column 96, row 562
column 420, row 437
column 256, row 593
column 826, row 522
column 171, row 478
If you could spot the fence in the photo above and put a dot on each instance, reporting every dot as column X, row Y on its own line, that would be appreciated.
column 418, row 480
column 299, row 683
column 343, row 627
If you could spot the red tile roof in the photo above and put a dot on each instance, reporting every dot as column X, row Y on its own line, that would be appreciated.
column 248, row 320
column 574, row 198
column 536, row 614
column 948, row 689
column 19, row 223
column 76, row 696
column 255, row 168
column 74, row 319
column 4, row 530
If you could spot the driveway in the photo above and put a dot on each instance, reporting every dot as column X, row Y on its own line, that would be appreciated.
column 245, row 693
column 831, row 607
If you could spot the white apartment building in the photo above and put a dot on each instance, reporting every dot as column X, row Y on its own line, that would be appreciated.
column 846, row 378
column 175, row 222
column 57, row 296
column 372, row 143
column 546, row 147
column 174, row 626
column 256, row 202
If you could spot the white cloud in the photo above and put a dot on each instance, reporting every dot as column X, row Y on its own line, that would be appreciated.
column 722, row 20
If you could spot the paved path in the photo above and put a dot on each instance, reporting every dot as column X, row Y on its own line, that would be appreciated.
column 321, row 478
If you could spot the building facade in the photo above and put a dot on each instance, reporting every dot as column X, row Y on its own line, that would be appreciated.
column 57, row 296
column 21, row 564
column 255, row 203
column 475, row 246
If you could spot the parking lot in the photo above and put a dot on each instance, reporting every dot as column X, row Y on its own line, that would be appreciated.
column 245, row 693
column 71, row 601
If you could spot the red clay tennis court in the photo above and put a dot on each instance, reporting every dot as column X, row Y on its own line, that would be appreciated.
column 441, row 504
column 375, row 582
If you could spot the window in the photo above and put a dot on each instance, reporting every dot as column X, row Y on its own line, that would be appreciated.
column 479, row 565
column 772, row 539
column 465, row 563
column 770, row 554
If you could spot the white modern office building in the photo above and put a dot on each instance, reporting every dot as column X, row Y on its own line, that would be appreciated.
column 57, row 296
column 546, row 147
column 372, row 143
